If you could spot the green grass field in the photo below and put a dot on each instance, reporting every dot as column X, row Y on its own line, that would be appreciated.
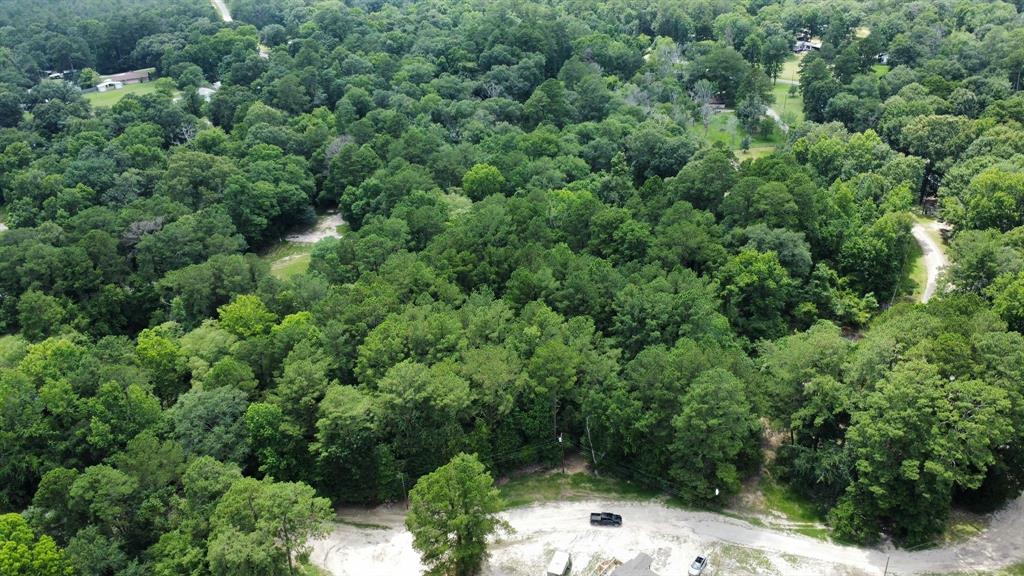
column 781, row 499
column 110, row 97
column 791, row 69
column 789, row 107
column 880, row 69
column 288, row 259
column 731, row 134
column 915, row 274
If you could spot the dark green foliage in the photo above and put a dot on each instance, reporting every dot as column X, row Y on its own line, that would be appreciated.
column 540, row 243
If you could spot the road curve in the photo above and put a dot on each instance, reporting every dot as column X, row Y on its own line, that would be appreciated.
column 222, row 9
column 926, row 232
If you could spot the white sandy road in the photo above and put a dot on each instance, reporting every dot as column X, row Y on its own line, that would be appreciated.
column 326, row 227
column 670, row 535
column 934, row 258
column 222, row 9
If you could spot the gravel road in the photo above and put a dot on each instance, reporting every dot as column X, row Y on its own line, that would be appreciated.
column 375, row 543
column 935, row 259
column 222, row 9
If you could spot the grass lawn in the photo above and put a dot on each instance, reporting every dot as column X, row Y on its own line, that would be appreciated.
column 779, row 498
column 791, row 69
column 110, row 97
column 915, row 274
column 288, row 259
column 881, row 69
column 789, row 107
column 719, row 131
column 754, row 153
column 535, row 488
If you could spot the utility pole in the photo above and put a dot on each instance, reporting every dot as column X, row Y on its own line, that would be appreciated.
column 562, row 448
column 590, row 441
column 886, row 571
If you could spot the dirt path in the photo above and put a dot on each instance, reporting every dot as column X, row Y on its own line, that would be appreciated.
column 778, row 120
column 375, row 543
column 222, row 9
column 928, row 234
column 326, row 227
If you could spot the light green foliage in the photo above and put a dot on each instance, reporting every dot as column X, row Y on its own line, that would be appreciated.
column 246, row 316
column 22, row 554
column 482, row 180
column 452, row 512
column 264, row 527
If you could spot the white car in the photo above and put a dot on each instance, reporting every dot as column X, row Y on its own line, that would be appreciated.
column 698, row 566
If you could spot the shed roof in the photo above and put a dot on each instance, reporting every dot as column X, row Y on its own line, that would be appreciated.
column 128, row 76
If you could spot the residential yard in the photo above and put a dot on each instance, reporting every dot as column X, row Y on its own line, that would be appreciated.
column 789, row 106
column 725, row 128
column 110, row 97
column 791, row 69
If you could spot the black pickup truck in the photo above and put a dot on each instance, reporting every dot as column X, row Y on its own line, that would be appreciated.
column 605, row 519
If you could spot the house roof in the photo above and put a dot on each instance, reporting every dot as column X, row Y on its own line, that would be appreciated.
column 128, row 76
column 639, row 566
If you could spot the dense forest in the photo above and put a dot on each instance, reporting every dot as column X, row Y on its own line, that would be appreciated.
column 542, row 241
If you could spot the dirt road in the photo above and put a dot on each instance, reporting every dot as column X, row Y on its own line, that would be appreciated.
column 928, row 236
column 326, row 227
column 375, row 543
column 778, row 120
column 222, row 9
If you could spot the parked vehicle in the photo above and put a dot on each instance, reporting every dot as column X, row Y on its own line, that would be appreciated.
column 560, row 565
column 605, row 519
column 698, row 566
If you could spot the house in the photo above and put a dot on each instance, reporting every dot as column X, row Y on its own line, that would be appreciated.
column 133, row 77
column 802, row 46
column 109, row 85
column 639, row 566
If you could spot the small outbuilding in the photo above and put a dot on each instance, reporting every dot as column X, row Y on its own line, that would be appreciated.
column 560, row 564
column 109, row 85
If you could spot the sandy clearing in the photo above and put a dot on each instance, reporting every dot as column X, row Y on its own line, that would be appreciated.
column 222, row 9
column 672, row 536
column 326, row 227
column 926, row 232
